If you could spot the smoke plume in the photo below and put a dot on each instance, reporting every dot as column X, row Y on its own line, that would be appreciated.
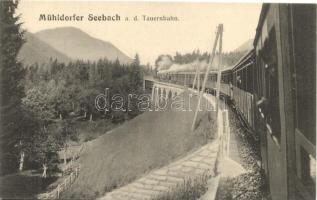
column 170, row 67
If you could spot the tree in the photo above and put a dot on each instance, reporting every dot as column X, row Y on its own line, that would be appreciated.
column 45, row 144
column 60, row 98
column 64, row 91
column 11, row 87
column 136, row 60
column 38, row 103
column 30, row 128
column 136, row 76
column 87, row 101
column 44, row 150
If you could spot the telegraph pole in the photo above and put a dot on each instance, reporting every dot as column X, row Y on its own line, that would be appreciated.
column 218, row 34
column 219, row 70
column 194, row 82
column 197, row 78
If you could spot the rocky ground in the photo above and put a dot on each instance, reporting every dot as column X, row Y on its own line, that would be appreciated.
column 250, row 185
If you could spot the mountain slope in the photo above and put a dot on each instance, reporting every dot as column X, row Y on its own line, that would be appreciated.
column 79, row 45
column 246, row 46
column 35, row 50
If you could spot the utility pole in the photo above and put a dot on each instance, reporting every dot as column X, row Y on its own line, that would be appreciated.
column 218, row 34
column 198, row 78
column 195, row 78
column 219, row 70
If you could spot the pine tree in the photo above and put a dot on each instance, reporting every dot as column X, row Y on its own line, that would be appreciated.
column 11, row 87
column 136, row 60
column 136, row 76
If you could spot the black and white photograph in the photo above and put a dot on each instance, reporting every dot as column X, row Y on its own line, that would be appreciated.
column 157, row 100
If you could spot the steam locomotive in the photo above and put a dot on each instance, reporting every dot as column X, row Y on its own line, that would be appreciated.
column 273, row 86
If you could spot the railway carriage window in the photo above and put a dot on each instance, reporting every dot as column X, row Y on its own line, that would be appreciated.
column 260, row 81
column 259, row 64
column 234, row 78
column 245, row 78
column 242, row 79
column 250, row 78
column 238, row 81
column 245, row 85
column 272, row 111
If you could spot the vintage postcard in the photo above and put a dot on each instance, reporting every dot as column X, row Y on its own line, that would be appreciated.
column 157, row 100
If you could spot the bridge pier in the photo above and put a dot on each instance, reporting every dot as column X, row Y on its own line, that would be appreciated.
column 160, row 90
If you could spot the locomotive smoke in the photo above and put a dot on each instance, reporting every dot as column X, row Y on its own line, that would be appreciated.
column 165, row 63
column 168, row 66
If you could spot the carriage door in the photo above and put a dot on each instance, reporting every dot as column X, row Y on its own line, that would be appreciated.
column 275, row 156
column 304, row 82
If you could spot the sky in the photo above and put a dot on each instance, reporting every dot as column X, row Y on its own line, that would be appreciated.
column 194, row 30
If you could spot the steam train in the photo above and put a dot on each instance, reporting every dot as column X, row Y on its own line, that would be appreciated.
column 273, row 87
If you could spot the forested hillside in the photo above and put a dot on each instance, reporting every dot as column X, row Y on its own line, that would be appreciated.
column 61, row 93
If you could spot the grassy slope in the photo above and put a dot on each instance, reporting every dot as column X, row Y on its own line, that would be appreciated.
column 23, row 185
column 91, row 130
column 149, row 141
